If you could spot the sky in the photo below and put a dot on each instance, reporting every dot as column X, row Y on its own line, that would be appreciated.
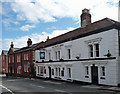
column 37, row 19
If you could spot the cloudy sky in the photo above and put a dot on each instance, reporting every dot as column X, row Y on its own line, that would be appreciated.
column 37, row 19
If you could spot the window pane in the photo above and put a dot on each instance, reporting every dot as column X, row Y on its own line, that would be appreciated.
column 59, row 54
column 87, row 71
column 56, row 55
column 97, row 50
column 103, row 71
column 91, row 50
column 69, row 54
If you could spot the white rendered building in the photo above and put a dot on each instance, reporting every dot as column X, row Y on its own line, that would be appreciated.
column 89, row 54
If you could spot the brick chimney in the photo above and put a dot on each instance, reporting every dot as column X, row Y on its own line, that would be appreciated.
column 11, row 46
column 85, row 17
column 29, row 42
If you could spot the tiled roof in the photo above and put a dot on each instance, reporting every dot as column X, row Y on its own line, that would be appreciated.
column 96, row 27
column 25, row 48
column 5, row 52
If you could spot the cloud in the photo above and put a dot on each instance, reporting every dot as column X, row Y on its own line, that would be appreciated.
column 22, row 41
column 52, row 27
column 49, row 10
column 27, row 27
column 0, row 8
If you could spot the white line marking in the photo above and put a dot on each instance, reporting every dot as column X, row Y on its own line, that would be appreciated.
column 59, row 90
column 37, row 86
column 7, row 89
column 51, row 82
column 90, row 86
column 32, row 79
column 41, row 86
column 14, row 80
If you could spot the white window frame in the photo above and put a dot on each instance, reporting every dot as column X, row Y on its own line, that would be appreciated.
column 69, row 72
column 91, row 51
column 25, row 56
column 13, row 59
column 69, row 53
column 18, row 58
column 9, row 59
column 95, row 51
column 26, row 67
column 103, row 73
column 56, row 71
column 12, row 69
column 38, row 69
column 19, row 70
column 56, row 55
column 59, row 71
column 49, row 55
column 86, row 70
column 59, row 55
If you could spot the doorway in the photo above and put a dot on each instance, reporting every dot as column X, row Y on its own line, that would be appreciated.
column 49, row 72
column 94, row 74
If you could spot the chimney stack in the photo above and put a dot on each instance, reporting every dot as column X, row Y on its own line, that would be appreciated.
column 85, row 17
column 47, row 38
column 11, row 46
column 29, row 42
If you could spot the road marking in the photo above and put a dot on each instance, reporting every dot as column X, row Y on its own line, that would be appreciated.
column 7, row 89
column 52, row 82
column 41, row 86
column 10, row 80
column 32, row 79
column 14, row 80
column 59, row 90
column 90, row 86
column 37, row 86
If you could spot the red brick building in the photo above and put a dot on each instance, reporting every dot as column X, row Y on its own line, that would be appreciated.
column 4, row 61
column 21, row 60
column 11, row 60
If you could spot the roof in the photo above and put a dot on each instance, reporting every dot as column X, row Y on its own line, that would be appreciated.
column 25, row 48
column 16, row 49
column 5, row 52
column 93, row 28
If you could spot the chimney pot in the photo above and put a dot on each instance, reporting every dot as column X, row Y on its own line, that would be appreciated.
column 12, row 46
column 29, row 42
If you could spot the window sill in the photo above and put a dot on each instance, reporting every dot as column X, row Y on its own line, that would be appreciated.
column 86, row 76
column 102, row 77
column 57, row 77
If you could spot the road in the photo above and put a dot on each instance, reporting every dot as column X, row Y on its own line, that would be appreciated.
column 33, row 86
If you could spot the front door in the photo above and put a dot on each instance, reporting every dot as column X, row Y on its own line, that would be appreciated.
column 49, row 72
column 94, row 74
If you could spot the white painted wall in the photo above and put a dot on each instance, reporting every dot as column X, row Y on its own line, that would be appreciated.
column 79, row 47
column 78, row 71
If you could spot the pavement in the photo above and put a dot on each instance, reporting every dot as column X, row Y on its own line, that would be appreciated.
column 110, row 88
